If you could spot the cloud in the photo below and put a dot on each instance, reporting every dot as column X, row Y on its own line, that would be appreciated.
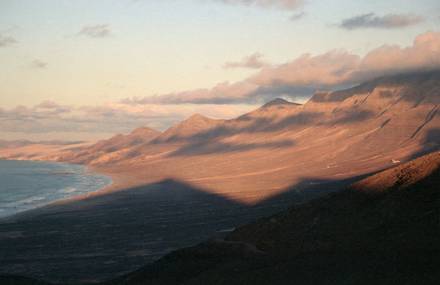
column 51, row 107
column 96, row 31
column 50, row 120
column 50, row 117
column 252, row 61
column 424, row 54
column 389, row 21
column 303, row 76
column 297, row 16
column 296, row 80
column 327, row 69
column 279, row 4
column 38, row 64
column 6, row 41
column 222, row 93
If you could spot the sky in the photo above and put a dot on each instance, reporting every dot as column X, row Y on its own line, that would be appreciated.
column 84, row 70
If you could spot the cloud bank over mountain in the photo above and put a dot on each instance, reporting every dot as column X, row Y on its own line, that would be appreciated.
column 296, row 80
column 303, row 76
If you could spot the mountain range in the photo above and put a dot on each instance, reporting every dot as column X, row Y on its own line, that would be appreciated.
column 335, row 135
column 357, row 170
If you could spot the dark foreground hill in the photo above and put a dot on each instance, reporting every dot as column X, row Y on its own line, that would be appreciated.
column 18, row 280
column 384, row 229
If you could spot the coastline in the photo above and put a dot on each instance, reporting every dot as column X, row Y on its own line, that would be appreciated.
column 118, row 228
column 89, row 171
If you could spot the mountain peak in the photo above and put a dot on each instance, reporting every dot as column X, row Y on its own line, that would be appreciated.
column 197, row 117
column 278, row 102
column 187, row 128
column 196, row 121
column 416, row 80
column 144, row 131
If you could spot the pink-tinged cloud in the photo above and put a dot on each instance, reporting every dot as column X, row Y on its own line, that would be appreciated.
column 327, row 69
column 253, row 61
column 87, row 122
column 424, row 54
column 222, row 93
column 303, row 76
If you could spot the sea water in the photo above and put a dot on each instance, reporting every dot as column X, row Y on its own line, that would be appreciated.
column 26, row 185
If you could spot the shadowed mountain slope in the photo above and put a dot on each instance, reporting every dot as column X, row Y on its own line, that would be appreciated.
column 107, row 235
column 187, row 129
column 116, row 148
column 18, row 280
column 382, row 230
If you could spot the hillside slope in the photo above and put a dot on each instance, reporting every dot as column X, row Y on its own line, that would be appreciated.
column 382, row 230
column 335, row 135
column 118, row 147
column 265, row 152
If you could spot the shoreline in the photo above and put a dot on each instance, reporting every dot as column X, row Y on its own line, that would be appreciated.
column 114, row 184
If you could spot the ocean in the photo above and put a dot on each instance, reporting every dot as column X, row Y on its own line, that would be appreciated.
column 26, row 185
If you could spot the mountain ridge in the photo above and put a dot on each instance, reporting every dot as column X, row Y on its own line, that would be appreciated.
column 261, row 161
column 187, row 128
column 359, row 131
column 364, row 132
